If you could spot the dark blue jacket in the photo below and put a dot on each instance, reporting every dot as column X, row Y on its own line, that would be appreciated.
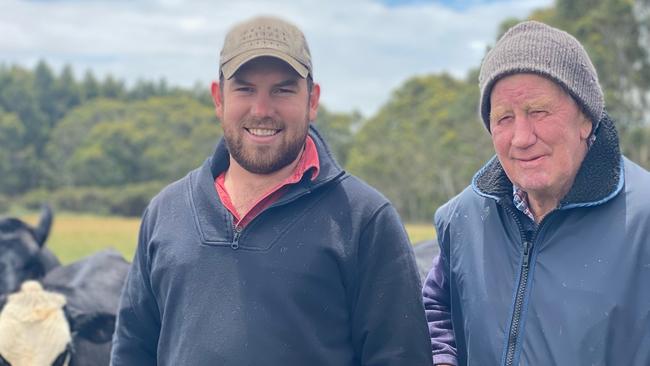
column 574, row 290
column 325, row 276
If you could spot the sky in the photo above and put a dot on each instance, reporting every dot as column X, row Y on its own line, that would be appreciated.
column 362, row 50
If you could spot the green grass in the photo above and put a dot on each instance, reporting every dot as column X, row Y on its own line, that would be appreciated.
column 75, row 236
column 420, row 232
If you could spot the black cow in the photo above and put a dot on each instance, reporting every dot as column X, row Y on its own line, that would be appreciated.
column 80, row 300
column 425, row 251
column 23, row 254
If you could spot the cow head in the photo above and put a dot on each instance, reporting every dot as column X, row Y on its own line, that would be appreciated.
column 36, row 328
column 21, row 250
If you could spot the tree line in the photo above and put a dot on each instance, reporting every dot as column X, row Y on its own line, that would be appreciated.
column 98, row 145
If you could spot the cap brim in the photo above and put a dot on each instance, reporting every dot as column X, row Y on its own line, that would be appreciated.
column 231, row 66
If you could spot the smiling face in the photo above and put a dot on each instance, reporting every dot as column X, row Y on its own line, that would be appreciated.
column 539, row 134
column 265, row 110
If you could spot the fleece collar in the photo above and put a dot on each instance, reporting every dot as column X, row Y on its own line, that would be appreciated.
column 599, row 178
column 212, row 217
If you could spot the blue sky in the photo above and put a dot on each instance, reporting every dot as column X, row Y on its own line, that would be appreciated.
column 454, row 4
column 362, row 49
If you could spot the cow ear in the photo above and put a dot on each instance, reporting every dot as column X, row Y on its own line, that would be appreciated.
column 45, row 223
column 94, row 327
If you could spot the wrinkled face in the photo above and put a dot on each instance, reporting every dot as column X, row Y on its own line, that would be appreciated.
column 265, row 110
column 539, row 134
column 33, row 328
column 18, row 248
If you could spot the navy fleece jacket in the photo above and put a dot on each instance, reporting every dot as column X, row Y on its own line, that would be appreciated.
column 325, row 276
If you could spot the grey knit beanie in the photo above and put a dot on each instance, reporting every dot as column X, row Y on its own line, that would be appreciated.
column 534, row 47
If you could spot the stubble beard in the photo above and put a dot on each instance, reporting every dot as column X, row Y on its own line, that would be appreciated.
column 264, row 159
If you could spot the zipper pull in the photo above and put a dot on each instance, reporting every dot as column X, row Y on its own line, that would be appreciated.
column 235, row 242
column 527, row 252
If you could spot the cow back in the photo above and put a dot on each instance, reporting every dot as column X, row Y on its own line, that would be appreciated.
column 92, row 284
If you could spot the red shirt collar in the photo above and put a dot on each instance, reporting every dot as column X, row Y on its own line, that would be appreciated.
column 308, row 160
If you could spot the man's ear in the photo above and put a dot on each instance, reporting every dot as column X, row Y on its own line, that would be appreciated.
column 314, row 98
column 217, row 98
column 95, row 327
column 586, row 128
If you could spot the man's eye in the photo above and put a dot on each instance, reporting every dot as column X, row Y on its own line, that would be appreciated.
column 503, row 119
column 244, row 89
column 284, row 91
column 538, row 113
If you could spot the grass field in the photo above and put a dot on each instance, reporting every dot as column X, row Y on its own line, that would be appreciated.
column 420, row 232
column 75, row 236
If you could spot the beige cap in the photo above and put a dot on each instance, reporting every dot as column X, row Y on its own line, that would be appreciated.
column 265, row 36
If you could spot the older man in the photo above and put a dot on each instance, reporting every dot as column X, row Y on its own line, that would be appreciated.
column 545, row 259
column 270, row 254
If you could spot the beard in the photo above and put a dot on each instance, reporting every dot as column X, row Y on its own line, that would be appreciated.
column 265, row 159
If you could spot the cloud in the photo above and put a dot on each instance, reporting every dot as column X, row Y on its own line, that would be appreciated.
column 362, row 50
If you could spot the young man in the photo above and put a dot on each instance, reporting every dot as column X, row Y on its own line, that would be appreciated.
column 545, row 258
column 270, row 254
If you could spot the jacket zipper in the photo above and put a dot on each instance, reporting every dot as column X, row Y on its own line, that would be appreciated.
column 235, row 241
column 515, row 325
column 237, row 230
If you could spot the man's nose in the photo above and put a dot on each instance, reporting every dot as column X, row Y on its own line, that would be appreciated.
column 524, row 134
column 262, row 106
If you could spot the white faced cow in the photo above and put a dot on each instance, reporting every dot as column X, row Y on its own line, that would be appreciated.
column 69, row 320
column 23, row 254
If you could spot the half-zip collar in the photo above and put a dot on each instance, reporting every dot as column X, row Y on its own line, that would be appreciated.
column 211, row 215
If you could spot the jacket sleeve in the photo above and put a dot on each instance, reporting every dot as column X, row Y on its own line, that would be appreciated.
column 138, row 319
column 436, row 296
column 388, row 323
